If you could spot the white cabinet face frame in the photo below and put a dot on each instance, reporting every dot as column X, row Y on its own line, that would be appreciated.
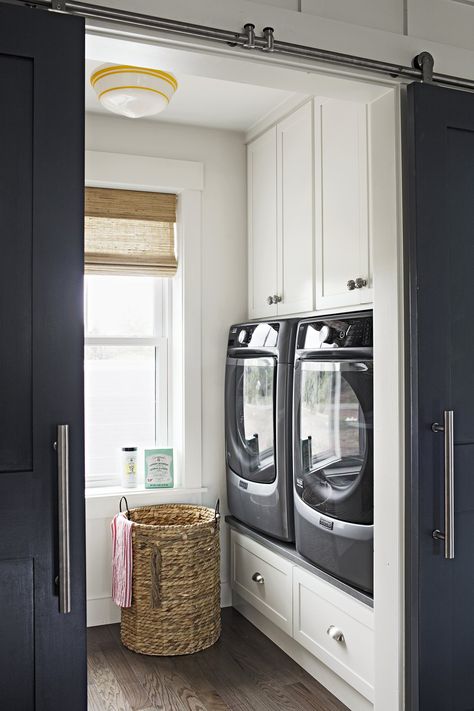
column 262, row 224
column 342, row 237
column 295, row 211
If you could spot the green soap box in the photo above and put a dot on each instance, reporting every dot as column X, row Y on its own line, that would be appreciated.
column 159, row 468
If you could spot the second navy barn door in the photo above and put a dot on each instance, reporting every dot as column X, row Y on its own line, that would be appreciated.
column 440, row 197
column 42, row 649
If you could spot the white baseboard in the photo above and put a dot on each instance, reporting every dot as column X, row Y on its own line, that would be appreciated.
column 103, row 611
column 226, row 594
column 337, row 686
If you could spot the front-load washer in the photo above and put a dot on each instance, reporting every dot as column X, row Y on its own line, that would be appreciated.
column 258, row 401
column 333, row 446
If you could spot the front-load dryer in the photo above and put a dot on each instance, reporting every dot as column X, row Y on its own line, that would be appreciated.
column 258, row 398
column 333, row 446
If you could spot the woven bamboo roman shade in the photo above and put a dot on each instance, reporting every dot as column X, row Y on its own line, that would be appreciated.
column 129, row 232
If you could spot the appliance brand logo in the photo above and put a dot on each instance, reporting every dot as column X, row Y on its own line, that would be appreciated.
column 326, row 524
column 243, row 484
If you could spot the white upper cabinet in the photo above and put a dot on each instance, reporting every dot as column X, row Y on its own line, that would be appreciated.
column 309, row 207
column 262, row 224
column 342, row 254
column 295, row 211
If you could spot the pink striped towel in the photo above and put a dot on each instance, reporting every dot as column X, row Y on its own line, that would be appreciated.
column 122, row 560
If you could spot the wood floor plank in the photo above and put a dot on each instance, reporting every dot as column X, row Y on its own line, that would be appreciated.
column 243, row 671
column 106, row 684
column 322, row 699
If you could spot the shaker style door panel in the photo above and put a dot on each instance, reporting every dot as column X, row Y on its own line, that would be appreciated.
column 295, row 211
column 440, row 573
column 262, row 224
column 43, row 650
column 341, row 204
column 16, row 133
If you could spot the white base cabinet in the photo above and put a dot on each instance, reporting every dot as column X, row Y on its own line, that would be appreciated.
column 335, row 628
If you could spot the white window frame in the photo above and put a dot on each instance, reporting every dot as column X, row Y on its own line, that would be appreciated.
column 161, row 342
column 186, row 179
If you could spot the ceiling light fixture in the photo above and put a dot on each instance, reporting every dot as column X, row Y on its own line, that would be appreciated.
column 135, row 92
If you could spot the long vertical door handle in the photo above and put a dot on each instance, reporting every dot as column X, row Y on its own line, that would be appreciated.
column 448, row 535
column 62, row 448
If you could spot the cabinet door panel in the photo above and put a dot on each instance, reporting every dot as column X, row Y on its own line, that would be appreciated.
column 341, row 190
column 262, row 228
column 295, row 211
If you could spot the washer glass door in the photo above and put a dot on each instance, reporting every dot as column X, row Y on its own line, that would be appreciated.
column 335, row 472
column 250, row 417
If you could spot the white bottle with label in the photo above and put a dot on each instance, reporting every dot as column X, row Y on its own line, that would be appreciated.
column 129, row 467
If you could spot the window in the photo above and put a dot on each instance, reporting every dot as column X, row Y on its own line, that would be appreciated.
column 126, row 370
column 130, row 256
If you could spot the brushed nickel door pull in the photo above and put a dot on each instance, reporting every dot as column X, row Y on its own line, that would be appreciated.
column 64, row 577
column 448, row 535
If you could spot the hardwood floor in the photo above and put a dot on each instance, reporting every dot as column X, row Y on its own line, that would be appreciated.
column 244, row 671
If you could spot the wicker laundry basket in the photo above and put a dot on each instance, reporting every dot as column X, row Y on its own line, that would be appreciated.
column 176, row 582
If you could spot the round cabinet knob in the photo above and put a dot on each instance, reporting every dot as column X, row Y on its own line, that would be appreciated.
column 359, row 283
column 270, row 300
column 258, row 578
column 351, row 285
column 335, row 633
column 242, row 336
column 276, row 299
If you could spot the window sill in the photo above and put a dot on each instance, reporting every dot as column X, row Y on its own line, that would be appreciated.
column 103, row 502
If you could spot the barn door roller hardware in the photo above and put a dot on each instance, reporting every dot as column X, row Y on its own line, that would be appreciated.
column 249, row 39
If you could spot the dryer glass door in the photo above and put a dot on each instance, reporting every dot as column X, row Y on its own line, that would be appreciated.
column 250, row 417
column 335, row 474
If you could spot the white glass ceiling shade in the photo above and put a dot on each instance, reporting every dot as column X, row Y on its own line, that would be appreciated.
column 133, row 91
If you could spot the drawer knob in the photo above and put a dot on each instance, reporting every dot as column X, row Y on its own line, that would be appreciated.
column 351, row 285
column 277, row 298
column 335, row 633
column 269, row 300
column 360, row 283
column 258, row 578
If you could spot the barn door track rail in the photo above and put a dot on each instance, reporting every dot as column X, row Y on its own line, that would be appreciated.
column 250, row 40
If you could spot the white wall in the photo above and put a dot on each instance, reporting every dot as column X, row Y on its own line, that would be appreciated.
column 223, row 294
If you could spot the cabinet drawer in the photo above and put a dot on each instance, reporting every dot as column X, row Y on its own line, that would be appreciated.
column 271, row 596
column 319, row 608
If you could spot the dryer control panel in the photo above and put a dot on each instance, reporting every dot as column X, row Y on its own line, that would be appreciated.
column 337, row 332
column 254, row 335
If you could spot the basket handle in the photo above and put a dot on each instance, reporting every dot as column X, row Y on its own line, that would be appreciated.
column 216, row 513
column 127, row 511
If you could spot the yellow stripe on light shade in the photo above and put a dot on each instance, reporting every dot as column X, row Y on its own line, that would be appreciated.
column 129, row 69
column 143, row 88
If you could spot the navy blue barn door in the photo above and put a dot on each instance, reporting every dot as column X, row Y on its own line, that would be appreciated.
column 440, row 490
column 42, row 645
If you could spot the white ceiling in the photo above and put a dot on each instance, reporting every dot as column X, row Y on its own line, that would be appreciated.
column 207, row 101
